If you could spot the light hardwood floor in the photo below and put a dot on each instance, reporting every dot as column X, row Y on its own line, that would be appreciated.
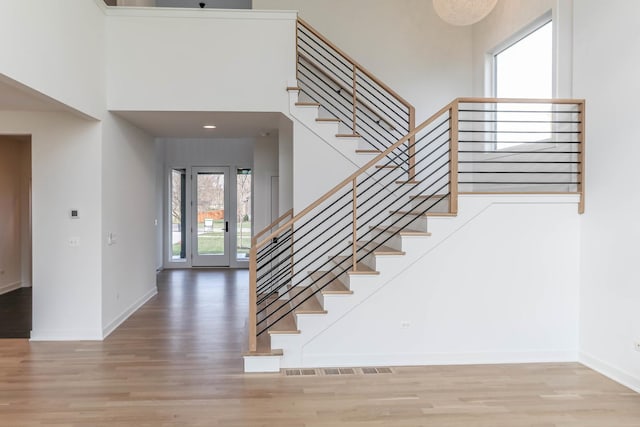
column 177, row 362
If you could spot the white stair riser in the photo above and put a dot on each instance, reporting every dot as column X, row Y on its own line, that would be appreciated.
column 434, row 205
column 262, row 363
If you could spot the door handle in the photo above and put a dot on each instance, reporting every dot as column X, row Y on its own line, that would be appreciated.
column 226, row 226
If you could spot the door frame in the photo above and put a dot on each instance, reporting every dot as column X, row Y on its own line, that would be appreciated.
column 224, row 259
column 168, row 261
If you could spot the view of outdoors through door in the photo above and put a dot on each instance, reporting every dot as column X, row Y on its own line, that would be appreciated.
column 211, row 224
column 178, row 217
column 215, row 235
column 243, row 219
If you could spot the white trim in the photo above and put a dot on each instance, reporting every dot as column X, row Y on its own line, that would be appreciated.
column 9, row 287
column 617, row 375
column 262, row 364
column 107, row 330
column 222, row 14
column 426, row 359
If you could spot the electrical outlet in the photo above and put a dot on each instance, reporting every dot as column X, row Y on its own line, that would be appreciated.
column 636, row 345
column 74, row 241
column 405, row 324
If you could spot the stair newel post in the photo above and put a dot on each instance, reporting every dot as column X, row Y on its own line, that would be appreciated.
column 297, row 51
column 412, row 144
column 453, row 157
column 355, row 225
column 581, row 136
column 253, row 308
column 355, row 98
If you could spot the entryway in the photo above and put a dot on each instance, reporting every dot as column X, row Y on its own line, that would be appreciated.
column 210, row 215
column 15, row 236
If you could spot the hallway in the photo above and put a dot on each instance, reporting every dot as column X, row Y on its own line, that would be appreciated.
column 15, row 314
column 177, row 362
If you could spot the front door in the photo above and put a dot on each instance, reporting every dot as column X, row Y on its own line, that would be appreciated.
column 210, row 221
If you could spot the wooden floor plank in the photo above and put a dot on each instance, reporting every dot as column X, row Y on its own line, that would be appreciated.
column 176, row 362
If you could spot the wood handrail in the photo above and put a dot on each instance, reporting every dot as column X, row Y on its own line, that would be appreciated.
column 274, row 223
column 348, row 90
column 354, row 63
column 356, row 174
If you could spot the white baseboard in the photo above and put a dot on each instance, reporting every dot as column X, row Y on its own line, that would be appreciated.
column 10, row 287
column 113, row 325
column 359, row 360
column 66, row 335
column 617, row 375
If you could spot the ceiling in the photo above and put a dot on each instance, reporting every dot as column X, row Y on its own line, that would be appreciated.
column 188, row 124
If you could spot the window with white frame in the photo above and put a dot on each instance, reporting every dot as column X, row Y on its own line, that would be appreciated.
column 524, row 69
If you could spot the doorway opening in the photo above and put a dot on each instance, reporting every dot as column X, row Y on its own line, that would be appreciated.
column 15, row 229
column 210, row 216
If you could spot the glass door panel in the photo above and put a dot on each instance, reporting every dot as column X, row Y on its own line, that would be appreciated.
column 243, row 214
column 210, row 222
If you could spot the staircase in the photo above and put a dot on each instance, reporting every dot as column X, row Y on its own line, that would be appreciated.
column 311, row 269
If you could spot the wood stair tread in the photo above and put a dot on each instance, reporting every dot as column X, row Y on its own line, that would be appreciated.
column 381, row 250
column 293, row 88
column 328, row 119
column 307, row 104
column 361, row 268
column 367, row 151
column 334, row 286
column 410, row 182
column 403, row 232
column 348, row 135
column 286, row 325
column 387, row 167
column 430, row 196
column 425, row 214
column 310, row 306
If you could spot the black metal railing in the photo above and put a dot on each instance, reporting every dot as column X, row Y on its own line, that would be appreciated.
column 347, row 91
column 520, row 145
column 471, row 145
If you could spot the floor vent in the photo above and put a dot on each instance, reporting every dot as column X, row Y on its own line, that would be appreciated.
column 335, row 371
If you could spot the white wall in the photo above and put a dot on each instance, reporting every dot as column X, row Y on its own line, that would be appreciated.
column 511, row 17
column 285, row 165
column 606, row 69
column 128, row 214
column 160, row 201
column 66, row 175
column 515, row 300
column 402, row 42
column 317, row 167
column 15, row 233
column 199, row 60
column 57, row 48
column 265, row 167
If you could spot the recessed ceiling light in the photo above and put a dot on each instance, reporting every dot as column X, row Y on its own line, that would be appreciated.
column 209, row 126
